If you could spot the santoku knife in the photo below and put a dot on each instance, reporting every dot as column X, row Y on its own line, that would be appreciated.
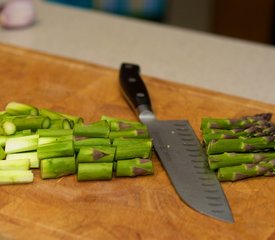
column 179, row 151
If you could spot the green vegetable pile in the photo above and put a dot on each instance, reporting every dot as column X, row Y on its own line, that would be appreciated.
column 60, row 144
column 240, row 148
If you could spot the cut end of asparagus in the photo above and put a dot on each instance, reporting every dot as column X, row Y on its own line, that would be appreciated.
column 9, row 127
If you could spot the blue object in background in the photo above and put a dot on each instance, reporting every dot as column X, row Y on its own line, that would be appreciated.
column 146, row 9
column 77, row 3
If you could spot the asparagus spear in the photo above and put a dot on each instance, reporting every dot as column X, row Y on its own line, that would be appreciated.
column 55, row 149
column 231, row 159
column 245, row 170
column 57, row 167
column 235, row 131
column 243, row 122
column 31, row 156
column 97, row 129
column 94, row 171
column 16, row 108
column 21, row 144
column 16, row 176
column 134, row 167
column 18, row 164
column 241, row 145
column 96, row 154
column 89, row 142
column 207, row 138
column 253, row 131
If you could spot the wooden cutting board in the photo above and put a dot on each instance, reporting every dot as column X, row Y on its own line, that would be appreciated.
column 123, row 208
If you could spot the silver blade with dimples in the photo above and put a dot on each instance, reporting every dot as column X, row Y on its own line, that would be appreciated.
column 179, row 151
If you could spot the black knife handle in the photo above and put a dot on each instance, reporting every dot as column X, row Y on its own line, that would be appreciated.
column 134, row 88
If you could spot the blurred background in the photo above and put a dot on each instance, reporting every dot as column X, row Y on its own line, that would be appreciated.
column 251, row 20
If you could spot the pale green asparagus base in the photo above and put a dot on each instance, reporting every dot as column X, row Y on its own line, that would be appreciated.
column 16, row 176
column 94, row 171
column 57, row 167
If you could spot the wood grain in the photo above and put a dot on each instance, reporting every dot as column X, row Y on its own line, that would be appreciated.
column 123, row 208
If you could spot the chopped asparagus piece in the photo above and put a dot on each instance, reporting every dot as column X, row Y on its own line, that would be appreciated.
column 132, row 141
column 57, row 167
column 32, row 156
column 45, row 140
column 89, row 142
column 113, row 119
column 128, row 148
column 50, row 114
column 54, row 132
column 96, row 154
column 135, row 133
column 55, row 149
column 60, row 124
column 31, row 122
column 117, row 124
column 16, row 176
column 18, row 164
column 15, row 108
column 94, row 171
column 97, row 129
column 74, row 119
column 21, row 144
column 134, row 167
column 3, row 139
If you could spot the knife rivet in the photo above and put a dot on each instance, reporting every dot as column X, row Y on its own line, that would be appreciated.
column 173, row 132
column 131, row 80
column 168, row 146
column 140, row 94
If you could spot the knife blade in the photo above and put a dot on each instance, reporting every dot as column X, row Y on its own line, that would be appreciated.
column 178, row 149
